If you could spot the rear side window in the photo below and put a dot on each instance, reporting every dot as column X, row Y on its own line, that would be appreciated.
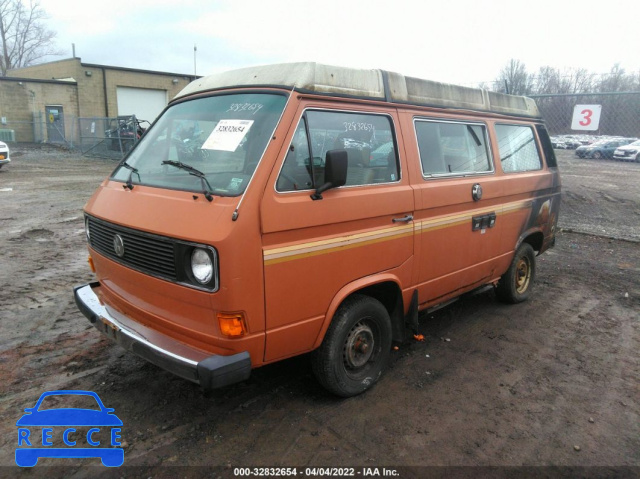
column 367, row 138
column 517, row 147
column 452, row 148
column 547, row 147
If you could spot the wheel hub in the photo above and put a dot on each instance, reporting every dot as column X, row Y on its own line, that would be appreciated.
column 359, row 346
column 523, row 275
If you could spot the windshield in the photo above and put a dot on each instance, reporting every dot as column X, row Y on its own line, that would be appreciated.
column 223, row 137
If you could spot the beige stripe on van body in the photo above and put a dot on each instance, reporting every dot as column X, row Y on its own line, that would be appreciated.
column 278, row 255
column 462, row 218
column 315, row 248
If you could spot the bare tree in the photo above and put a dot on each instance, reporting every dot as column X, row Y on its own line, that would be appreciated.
column 24, row 37
column 551, row 80
column 514, row 79
column 616, row 80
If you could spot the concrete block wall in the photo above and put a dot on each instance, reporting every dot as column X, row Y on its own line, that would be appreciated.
column 22, row 100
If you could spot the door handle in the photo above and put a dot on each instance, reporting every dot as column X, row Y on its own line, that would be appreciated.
column 476, row 192
column 404, row 219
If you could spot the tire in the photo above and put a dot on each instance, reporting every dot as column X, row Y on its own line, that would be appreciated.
column 356, row 348
column 638, row 158
column 597, row 155
column 516, row 284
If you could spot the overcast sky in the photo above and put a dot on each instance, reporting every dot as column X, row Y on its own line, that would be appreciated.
column 457, row 41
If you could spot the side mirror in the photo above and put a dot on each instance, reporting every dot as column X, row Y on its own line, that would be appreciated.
column 335, row 172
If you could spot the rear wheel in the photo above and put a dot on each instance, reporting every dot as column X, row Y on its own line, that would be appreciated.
column 356, row 348
column 597, row 155
column 638, row 158
column 515, row 285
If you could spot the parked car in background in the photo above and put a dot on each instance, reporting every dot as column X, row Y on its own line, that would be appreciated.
column 4, row 154
column 558, row 143
column 571, row 143
column 630, row 152
column 587, row 139
column 601, row 149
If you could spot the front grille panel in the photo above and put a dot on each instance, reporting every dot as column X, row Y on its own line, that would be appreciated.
column 144, row 252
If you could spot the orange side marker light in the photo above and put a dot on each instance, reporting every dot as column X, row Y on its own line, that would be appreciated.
column 418, row 337
column 232, row 325
column 91, row 265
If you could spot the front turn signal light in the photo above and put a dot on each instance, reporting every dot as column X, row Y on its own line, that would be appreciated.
column 232, row 325
column 91, row 265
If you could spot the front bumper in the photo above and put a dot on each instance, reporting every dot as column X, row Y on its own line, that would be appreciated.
column 210, row 371
column 5, row 161
column 625, row 157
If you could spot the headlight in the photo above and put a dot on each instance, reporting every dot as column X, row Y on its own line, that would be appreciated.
column 86, row 229
column 201, row 265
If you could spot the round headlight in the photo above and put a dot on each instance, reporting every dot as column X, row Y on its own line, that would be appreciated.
column 86, row 229
column 201, row 265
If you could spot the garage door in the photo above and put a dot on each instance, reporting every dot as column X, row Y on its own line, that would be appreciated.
column 143, row 103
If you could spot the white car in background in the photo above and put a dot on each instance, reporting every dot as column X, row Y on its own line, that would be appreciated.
column 630, row 152
column 4, row 154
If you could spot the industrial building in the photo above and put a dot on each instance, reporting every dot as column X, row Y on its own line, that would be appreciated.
column 46, row 102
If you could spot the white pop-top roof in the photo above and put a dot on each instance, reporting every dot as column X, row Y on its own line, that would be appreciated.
column 374, row 84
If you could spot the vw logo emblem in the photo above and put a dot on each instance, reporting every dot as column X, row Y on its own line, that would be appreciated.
column 118, row 245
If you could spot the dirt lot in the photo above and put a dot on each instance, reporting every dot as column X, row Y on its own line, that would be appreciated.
column 550, row 382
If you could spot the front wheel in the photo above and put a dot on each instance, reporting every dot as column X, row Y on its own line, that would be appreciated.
column 515, row 285
column 355, row 349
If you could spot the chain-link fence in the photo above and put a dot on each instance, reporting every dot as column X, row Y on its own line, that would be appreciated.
column 38, row 130
column 612, row 119
column 97, row 137
column 51, row 126
column 109, row 137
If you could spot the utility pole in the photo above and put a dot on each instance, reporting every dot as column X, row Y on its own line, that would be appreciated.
column 195, row 49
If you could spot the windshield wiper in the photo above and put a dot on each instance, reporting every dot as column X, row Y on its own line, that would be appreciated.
column 195, row 172
column 128, row 183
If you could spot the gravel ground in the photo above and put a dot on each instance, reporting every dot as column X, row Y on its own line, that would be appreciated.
column 549, row 382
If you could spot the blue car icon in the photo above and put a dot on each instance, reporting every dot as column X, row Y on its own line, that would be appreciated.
column 27, row 455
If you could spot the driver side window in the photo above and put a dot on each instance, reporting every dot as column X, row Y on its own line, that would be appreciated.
column 367, row 138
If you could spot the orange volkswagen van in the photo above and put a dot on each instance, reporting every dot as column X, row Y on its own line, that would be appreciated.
column 286, row 209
